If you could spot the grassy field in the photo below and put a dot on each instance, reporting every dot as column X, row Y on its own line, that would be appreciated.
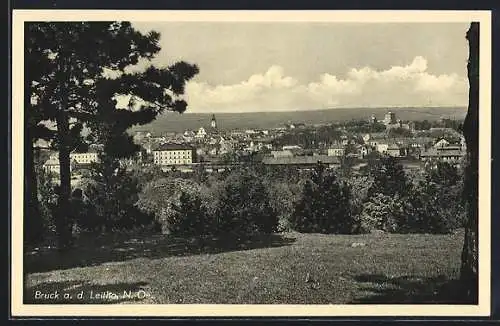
column 283, row 268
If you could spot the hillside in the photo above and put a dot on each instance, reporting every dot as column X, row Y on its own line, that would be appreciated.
column 174, row 122
column 388, row 268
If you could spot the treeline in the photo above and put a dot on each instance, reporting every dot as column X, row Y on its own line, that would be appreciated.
column 256, row 199
column 442, row 123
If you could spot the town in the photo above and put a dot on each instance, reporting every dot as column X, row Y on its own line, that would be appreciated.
column 414, row 144
column 254, row 163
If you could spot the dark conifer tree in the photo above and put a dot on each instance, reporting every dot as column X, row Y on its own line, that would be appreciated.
column 83, row 69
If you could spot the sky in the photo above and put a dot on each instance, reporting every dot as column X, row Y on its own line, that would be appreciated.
column 286, row 66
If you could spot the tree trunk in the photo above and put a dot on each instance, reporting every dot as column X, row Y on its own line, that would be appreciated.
column 469, row 267
column 62, row 221
column 32, row 221
column 33, row 226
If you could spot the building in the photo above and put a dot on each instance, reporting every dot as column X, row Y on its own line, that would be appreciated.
column 390, row 118
column 450, row 154
column 213, row 122
column 291, row 147
column 441, row 143
column 285, row 153
column 382, row 148
column 52, row 165
column 393, row 150
column 84, row 158
column 363, row 151
column 463, row 144
column 398, row 125
column 174, row 154
column 201, row 133
column 336, row 151
column 302, row 161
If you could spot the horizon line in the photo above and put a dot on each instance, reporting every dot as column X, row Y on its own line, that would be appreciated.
column 208, row 111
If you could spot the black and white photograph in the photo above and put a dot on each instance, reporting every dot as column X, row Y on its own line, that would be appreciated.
column 251, row 162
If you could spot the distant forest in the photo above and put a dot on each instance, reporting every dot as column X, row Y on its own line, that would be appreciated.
column 174, row 122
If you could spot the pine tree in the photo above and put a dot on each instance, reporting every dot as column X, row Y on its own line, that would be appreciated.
column 84, row 69
column 389, row 178
column 324, row 205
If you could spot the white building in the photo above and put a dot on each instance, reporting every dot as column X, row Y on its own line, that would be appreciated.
column 285, row 153
column 463, row 144
column 363, row 151
column 441, row 143
column 213, row 122
column 84, row 158
column 52, row 165
column 291, row 147
column 336, row 151
column 173, row 154
column 382, row 148
column 202, row 133
column 390, row 118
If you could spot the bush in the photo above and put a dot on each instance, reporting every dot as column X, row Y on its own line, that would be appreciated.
column 359, row 186
column 178, row 205
column 283, row 195
column 112, row 201
column 437, row 203
column 383, row 212
column 389, row 178
column 47, row 200
column 323, row 206
column 242, row 206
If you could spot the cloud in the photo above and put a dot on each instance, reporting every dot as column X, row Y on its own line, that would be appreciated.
column 410, row 85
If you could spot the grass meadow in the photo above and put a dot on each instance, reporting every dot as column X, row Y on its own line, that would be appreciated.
column 289, row 268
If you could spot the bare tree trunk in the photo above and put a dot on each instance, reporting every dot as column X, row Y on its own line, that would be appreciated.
column 469, row 268
column 32, row 219
column 33, row 226
column 62, row 221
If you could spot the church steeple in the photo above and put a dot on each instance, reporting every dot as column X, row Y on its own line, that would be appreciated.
column 213, row 123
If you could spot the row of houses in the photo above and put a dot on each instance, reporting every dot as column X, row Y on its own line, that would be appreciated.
column 83, row 159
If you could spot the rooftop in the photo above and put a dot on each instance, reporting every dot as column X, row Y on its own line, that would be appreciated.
column 171, row 147
column 443, row 152
column 301, row 160
column 52, row 161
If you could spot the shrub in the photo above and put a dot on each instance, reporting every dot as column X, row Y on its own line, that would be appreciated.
column 178, row 205
column 283, row 195
column 383, row 212
column 47, row 199
column 323, row 206
column 437, row 208
column 242, row 206
column 389, row 178
column 359, row 186
column 113, row 200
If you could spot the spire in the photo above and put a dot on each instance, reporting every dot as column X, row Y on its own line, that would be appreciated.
column 213, row 123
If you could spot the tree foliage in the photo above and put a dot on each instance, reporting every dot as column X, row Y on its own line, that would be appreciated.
column 83, row 67
column 436, row 201
column 243, row 206
column 323, row 206
column 384, row 212
column 178, row 205
column 389, row 178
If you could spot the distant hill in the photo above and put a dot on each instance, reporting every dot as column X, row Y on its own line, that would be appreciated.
column 174, row 122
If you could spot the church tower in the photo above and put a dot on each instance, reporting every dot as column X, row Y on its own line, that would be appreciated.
column 213, row 123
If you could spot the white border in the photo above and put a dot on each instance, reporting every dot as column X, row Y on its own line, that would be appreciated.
column 133, row 310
